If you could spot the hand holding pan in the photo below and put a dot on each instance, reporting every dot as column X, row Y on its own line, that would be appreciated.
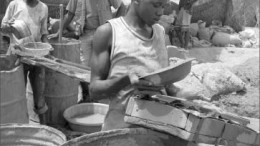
column 170, row 74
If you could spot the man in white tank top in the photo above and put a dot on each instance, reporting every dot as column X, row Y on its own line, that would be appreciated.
column 123, row 49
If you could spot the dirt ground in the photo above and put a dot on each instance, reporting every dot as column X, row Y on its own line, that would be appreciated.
column 244, row 103
column 244, row 62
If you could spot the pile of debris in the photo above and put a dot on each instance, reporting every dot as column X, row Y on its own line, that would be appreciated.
column 222, row 36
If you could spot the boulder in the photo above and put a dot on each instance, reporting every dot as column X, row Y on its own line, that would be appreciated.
column 209, row 10
column 207, row 80
column 242, row 13
column 235, row 13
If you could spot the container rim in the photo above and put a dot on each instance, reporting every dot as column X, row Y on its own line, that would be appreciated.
column 17, row 125
column 68, row 118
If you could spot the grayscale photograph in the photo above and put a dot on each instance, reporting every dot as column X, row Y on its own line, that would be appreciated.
column 129, row 73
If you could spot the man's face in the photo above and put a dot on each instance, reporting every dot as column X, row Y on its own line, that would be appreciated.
column 151, row 10
column 29, row 1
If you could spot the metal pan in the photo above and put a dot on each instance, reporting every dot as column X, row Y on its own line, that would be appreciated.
column 170, row 74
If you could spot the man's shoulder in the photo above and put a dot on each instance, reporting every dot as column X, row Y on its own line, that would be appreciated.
column 103, row 35
column 43, row 5
column 158, row 27
column 15, row 2
column 105, row 28
column 159, row 30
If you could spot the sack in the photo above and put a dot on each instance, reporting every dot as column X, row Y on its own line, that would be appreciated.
column 247, row 34
column 208, row 80
column 194, row 29
column 204, row 34
column 200, row 43
column 224, row 39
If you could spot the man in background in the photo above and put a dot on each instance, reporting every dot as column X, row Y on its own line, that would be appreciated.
column 34, row 14
column 90, row 14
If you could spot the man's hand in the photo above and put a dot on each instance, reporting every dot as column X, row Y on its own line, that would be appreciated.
column 51, row 36
column 7, row 28
column 143, row 85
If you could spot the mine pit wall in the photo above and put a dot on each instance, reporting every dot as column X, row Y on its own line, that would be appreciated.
column 234, row 13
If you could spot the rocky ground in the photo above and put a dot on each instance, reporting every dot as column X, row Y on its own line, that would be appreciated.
column 244, row 103
column 244, row 62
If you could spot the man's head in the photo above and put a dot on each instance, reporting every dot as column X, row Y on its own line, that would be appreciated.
column 149, row 11
column 32, row 2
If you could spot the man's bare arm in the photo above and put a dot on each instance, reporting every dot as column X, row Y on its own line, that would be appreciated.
column 100, row 86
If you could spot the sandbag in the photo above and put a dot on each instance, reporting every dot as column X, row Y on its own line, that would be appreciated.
column 204, row 33
column 225, row 29
column 248, row 33
column 194, row 29
column 207, row 80
column 200, row 43
column 249, row 37
column 223, row 39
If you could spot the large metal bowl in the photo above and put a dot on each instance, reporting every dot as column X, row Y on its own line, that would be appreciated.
column 170, row 74
column 15, row 134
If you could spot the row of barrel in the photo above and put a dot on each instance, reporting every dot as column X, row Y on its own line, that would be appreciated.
column 61, row 91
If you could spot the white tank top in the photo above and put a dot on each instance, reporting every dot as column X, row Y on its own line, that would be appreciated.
column 132, row 52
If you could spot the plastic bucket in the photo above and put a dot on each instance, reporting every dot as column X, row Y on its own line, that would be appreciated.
column 12, row 92
column 61, row 91
column 30, row 135
column 127, row 137
column 21, row 29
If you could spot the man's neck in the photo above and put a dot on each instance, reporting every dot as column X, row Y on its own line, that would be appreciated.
column 32, row 3
column 133, row 20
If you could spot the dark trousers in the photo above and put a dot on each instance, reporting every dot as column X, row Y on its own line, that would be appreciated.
column 37, row 79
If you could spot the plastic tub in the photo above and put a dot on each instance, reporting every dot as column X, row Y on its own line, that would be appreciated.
column 37, row 48
column 86, row 117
